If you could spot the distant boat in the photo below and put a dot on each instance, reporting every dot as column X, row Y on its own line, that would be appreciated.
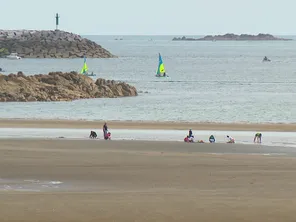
column 161, row 70
column 265, row 59
column 84, row 69
column 13, row 56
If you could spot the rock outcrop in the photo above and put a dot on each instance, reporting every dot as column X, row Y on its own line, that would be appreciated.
column 49, row 44
column 57, row 86
column 233, row 37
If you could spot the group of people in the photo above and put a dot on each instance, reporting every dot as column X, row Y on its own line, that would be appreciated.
column 106, row 133
column 190, row 138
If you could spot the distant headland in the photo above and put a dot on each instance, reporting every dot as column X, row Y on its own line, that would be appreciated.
column 49, row 44
column 234, row 37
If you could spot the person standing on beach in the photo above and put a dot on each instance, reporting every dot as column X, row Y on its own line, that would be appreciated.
column 258, row 137
column 190, row 133
column 105, row 129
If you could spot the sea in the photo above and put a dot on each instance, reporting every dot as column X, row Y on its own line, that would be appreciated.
column 208, row 82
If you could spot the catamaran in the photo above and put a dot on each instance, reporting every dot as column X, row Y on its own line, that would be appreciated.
column 84, row 69
column 161, row 69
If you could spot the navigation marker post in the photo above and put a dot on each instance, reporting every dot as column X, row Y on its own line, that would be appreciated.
column 57, row 21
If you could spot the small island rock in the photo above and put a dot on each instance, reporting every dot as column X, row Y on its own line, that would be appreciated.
column 58, row 86
column 234, row 37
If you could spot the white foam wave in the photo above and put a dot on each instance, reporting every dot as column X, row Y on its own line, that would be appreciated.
column 33, row 185
column 55, row 182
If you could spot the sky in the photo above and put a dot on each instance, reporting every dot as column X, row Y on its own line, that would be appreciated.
column 152, row 17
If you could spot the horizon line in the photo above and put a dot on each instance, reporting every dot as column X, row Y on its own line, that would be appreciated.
column 187, row 34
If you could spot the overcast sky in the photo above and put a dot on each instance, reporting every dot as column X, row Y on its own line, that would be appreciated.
column 152, row 17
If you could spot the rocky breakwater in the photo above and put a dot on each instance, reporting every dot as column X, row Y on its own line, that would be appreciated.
column 49, row 44
column 57, row 86
column 234, row 37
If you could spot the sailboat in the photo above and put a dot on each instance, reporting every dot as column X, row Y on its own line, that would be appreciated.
column 84, row 69
column 161, row 69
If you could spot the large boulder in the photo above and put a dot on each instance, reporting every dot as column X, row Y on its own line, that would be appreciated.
column 58, row 86
column 49, row 44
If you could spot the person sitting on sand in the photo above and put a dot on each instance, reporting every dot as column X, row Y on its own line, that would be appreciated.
column 186, row 139
column 191, row 139
column 258, row 137
column 108, row 136
column 230, row 139
column 212, row 139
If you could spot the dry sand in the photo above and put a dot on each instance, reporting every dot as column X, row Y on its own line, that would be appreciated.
column 146, row 181
column 80, row 124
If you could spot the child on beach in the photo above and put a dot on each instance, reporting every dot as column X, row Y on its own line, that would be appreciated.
column 108, row 136
column 258, row 137
column 230, row 139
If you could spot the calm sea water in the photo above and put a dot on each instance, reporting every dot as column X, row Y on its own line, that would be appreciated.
column 209, row 81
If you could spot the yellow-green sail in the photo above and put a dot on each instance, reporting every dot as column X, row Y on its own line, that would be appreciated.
column 161, row 69
column 84, row 68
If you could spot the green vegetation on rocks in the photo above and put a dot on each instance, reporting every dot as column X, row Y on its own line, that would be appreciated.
column 4, row 52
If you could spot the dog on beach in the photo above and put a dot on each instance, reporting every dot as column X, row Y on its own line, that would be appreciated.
column 93, row 135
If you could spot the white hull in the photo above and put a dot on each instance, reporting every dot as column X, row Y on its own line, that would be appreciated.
column 13, row 56
column 159, row 76
column 90, row 74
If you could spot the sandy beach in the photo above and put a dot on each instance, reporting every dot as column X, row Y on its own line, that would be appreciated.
column 80, row 124
column 145, row 181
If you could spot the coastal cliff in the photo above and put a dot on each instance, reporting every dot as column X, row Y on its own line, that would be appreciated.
column 58, row 86
column 234, row 37
column 49, row 44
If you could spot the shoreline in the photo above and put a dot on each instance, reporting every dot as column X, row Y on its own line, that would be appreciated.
column 83, row 124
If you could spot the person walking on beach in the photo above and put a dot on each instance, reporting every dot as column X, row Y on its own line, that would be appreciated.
column 258, row 137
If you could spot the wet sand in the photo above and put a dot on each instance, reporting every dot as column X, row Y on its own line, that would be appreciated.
column 80, row 124
column 147, row 181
